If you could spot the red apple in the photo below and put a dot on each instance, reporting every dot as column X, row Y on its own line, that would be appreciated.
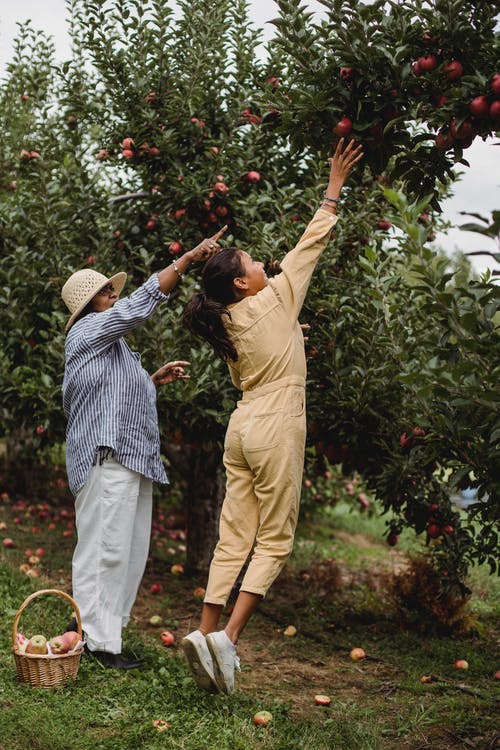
column 150, row 97
column 127, row 153
column 357, row 654
column 433, row 530
column 150, row 225
column 343, row 127
column 61, row 644
column 417, row 70
column 427, row 62
column 154, row 151
column 479, row 106
column 462, row 132
column 174, row 248
column 448, row 529
column 167, row 638
column 495, row 84
column 461, row 664
column 102, row 154
column 262, row 718
column 253, row 176
column 156, row 588
column 392, row 540
column 322, row 700
column 7, row 542
column 382, row 224
column 41, row 430
column 25, row 155
column 37, row 644
column 495, row 110
column 221, row 188
column 442, row 100
column 199, row 592
column 496, row 676
column 453, row 70
column 347, row 74
column 177, row 569
column 127, row 143
column 444, row 142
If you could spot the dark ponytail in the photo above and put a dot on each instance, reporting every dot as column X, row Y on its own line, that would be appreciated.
column 204, row 312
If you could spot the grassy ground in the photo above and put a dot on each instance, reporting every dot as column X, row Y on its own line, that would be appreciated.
column 336, row 592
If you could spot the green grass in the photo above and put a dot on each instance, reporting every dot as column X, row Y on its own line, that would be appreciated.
column 377, row 704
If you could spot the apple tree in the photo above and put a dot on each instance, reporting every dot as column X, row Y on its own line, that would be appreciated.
column 165, row 126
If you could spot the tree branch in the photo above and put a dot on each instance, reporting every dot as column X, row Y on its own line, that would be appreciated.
column 129, row 197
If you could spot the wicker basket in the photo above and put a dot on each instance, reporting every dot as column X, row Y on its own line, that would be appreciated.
column 42, row 670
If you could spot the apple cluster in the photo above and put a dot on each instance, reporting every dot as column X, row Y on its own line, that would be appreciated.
column 39, row 644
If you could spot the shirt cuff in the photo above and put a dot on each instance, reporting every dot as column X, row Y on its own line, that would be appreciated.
column 333, row 217
column 152, row 286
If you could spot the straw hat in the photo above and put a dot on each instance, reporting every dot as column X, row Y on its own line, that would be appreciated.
column 83, row 285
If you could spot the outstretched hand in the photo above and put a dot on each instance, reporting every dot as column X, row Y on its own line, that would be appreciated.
column 170, row 372
column 207, row 247
column 343, row 160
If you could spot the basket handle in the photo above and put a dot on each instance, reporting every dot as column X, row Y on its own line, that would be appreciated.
column 40, row 593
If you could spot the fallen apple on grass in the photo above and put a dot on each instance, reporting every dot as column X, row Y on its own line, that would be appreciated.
column 177, row 569
column 156, row 588
column 290, row 631
column 461, row 664
column 161, row 724
column 322, row 700
column 262, row 718
column 155, row 620
column 167, row 638
column 357, row 654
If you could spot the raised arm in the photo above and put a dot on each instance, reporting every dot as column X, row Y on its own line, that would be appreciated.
column 298, row 265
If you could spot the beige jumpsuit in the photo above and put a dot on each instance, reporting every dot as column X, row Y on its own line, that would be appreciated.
column 265, row 438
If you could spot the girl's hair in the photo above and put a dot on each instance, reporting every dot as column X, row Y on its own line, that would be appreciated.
column 204, row 312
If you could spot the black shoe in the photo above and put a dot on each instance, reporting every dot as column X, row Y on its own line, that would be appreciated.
column 114, row 661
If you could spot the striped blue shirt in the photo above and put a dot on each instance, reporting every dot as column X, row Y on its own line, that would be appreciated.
column 109, row 398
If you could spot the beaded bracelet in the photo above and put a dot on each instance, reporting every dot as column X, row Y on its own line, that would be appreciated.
column 331, row 200
column 174, row 266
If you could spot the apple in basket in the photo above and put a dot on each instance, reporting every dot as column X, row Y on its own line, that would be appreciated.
column 37, row 644
column 61, row 644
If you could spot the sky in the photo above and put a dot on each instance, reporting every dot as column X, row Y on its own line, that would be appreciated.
column 478, row 191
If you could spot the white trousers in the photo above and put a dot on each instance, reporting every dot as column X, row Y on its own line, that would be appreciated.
column 113, row 524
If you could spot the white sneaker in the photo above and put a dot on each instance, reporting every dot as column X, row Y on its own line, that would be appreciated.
column 199, row 660
column 224, row 660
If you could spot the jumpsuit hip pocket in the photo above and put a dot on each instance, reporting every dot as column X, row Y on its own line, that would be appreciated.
column 263, row 432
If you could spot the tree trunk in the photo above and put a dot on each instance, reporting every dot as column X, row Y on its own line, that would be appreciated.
column 202, row 468
column 206, row 486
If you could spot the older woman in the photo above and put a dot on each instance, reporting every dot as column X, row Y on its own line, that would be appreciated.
column 113, row 443
column 252, row 324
